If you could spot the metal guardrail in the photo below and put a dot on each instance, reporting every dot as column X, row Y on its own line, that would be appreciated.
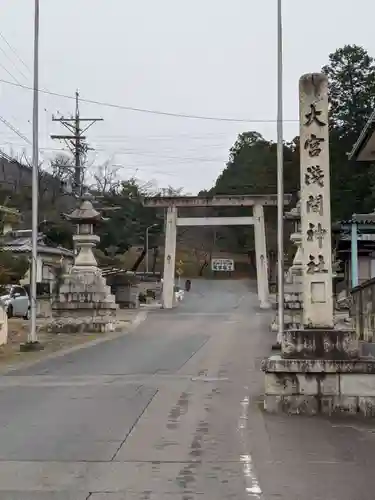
column 362, row 310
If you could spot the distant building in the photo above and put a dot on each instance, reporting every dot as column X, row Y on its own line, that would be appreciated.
column 365, row 245
column 356, row 248
column 50, row 258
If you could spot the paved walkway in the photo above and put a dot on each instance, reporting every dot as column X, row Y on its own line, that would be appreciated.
column 173, row 410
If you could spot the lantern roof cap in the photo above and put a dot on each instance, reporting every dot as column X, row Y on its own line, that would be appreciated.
column 85, row 212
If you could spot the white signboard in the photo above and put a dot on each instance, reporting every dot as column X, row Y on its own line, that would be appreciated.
column 222, row 265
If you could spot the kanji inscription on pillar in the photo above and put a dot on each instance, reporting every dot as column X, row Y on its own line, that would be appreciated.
column 315, row 202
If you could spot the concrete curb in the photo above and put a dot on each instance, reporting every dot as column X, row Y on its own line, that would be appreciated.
column 140, row 318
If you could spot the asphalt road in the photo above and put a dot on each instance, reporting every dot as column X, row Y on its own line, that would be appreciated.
column 173, row 411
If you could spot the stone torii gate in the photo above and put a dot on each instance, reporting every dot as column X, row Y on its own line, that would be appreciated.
column 173, row 203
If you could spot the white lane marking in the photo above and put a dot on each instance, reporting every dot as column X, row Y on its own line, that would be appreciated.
column 253, row 489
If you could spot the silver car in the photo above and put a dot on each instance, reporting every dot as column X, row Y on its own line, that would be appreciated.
column 15, row 300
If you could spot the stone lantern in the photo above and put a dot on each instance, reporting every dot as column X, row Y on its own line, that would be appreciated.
column 85, row 218
column 294, row 215
column 293, row 288
column 292, row 285
column 85, row 303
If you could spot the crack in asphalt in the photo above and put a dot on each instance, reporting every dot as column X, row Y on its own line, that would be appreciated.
column 132, row 427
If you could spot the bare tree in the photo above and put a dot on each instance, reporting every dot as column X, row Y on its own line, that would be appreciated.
column 171, row 191
column 106, row 178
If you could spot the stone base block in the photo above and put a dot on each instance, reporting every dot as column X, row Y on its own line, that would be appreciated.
column 292, row 321
column 333, row 405
column 312, row 343
column 319, row 386
column 312, row 405
column 278, row 364
column 291, row 405
column 77, row 326
column 128, row 305
column 288, row 384
column 367, row 406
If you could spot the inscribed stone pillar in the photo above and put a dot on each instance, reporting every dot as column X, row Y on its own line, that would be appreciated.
column 315, row 202
column 169, row 257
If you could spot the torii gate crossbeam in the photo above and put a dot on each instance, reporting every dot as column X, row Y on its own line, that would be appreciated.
column 257, row 202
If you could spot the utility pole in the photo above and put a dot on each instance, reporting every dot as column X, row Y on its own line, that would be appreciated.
column 32, row 343
column 76, row 141
column 280, row 172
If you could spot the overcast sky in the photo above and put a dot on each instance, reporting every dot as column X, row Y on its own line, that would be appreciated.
column 201, row 57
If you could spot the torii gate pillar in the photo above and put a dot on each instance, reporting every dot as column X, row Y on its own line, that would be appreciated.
column 261, row 257
column 169, row 257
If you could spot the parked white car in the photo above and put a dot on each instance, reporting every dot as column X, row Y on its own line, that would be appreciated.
column 16, row 301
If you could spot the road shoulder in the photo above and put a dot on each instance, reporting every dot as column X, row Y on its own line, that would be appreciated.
column 58, row 345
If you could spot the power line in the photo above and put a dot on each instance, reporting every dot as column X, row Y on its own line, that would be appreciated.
column 20, row 60
column 168, row 157
column 14, row 129
column 147, row 111
column 15, row 52
column 11, row 74
column 179, row 134
column 122, row 152
column 13, row 63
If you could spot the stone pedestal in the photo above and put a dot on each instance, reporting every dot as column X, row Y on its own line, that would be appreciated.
column 317, row 373
column 84, row 303
column 319, row 386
